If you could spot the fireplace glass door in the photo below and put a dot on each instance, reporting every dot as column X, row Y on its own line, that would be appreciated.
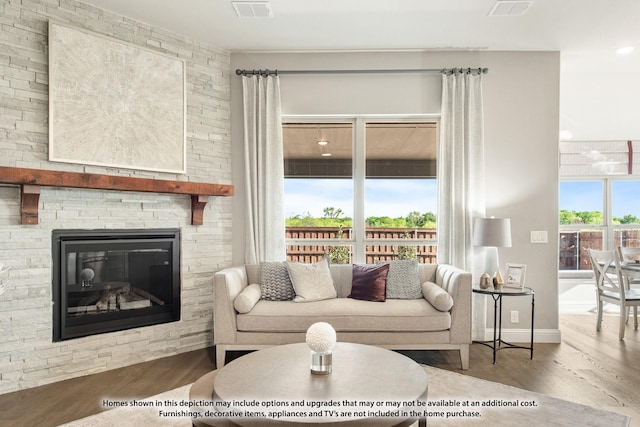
column 114, row 280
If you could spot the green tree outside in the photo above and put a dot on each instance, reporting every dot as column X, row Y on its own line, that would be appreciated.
column 332, row 217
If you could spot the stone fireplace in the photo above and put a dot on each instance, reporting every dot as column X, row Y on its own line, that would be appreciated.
column 30, row 356
column 112, row 280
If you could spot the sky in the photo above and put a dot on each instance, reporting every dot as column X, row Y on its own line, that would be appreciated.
column 397, row 197
column 383, row 197
column 588, row 196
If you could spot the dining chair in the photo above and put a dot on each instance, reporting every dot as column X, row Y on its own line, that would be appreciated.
column 612, row 287
column 630, row 255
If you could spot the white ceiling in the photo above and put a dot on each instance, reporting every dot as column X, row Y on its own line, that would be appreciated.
column 586, row 32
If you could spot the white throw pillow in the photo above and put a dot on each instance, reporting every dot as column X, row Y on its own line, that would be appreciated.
column 247, row 298
column 312, row 282
column 438, row 297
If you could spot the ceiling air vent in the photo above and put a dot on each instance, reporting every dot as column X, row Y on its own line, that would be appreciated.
column 252, row 9
column 510, row 8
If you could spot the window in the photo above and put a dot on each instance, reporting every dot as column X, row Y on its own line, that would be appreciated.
column 581, row 222
column 318, row 188
column 599, row 203
column 357, row 190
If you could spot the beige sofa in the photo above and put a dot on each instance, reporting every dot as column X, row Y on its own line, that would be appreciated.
column 401, row 324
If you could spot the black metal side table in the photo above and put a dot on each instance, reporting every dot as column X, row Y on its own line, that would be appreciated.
column 497, row 294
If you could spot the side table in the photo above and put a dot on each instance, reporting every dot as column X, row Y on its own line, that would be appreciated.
column 497, row 295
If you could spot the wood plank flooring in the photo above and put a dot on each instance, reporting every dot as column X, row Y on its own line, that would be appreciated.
column 588, row 367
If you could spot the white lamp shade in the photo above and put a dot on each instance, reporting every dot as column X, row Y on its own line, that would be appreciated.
column 492, row 232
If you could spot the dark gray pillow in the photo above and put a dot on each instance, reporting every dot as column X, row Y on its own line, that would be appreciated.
column 275, row 283
column 403, row 280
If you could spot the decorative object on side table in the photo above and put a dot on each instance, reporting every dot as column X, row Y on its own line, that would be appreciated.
column 498, row 283
column 485, row 280
column 515, row 275
column 321, row 338
column 492, row 233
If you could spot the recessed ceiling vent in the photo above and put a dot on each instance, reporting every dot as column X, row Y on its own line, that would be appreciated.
column 510, row 8
column 252, row 9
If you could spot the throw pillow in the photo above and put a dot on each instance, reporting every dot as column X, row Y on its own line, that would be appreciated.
column 275, row 283
column 249, row 296
column 369, row 282
column 311, row 282
column 403, row 280
column 438, row 297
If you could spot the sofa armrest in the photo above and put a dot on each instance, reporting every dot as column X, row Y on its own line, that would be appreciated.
column 458, row 283
column 228, row 284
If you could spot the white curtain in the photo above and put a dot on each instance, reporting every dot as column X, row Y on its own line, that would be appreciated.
column 461, row 179
column 264, row 170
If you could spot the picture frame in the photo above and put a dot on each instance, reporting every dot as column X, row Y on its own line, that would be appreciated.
column 115, row 104
column 515, row 275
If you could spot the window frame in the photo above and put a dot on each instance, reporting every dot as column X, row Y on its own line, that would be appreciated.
column 607, row 227
column 358, row 241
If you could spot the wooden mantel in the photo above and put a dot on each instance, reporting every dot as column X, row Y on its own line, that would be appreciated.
column 30, row 181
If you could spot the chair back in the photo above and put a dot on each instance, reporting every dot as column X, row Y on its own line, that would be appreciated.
column 608, row 279
column 628, row 254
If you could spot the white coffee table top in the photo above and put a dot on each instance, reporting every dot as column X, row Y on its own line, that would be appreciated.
column 361, row 373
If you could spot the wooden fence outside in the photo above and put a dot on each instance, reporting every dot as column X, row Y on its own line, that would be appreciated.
column 575, row 245
column 573, row 250
column 426, row 254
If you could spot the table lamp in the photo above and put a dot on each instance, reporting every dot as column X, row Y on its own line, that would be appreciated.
column 492, row 233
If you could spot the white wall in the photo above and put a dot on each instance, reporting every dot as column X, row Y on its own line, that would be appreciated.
column 521, row 99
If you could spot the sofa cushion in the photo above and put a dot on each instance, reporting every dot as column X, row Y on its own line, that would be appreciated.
column 249, row 296
column 369, row 282
column 311, row 282
column 275, row 283
column 345, row 315
column 403, row 281
column 438, row 297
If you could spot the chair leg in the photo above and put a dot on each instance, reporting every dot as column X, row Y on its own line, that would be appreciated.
column 623, row 321
column 635, row 317
column 599, row 322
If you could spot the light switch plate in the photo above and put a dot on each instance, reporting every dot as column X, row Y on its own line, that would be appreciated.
column 539, row 237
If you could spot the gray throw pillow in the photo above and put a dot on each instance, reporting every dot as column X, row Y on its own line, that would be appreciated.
column 275, row 284
column 403, row 280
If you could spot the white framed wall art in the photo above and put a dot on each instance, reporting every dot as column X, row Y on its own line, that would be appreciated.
column 114, row 104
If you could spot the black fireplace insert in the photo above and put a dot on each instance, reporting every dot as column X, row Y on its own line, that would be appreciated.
column 112, row 280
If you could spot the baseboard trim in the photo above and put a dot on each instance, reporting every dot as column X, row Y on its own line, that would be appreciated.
column 551, row 336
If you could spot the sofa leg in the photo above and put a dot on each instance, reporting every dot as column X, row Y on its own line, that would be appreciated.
column 464, row 356
column 220, row 356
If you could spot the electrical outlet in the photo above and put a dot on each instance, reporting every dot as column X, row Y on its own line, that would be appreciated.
column 515, row 316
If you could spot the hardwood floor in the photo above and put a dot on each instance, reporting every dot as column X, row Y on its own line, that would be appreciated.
column 58, row 403
column 588, row 367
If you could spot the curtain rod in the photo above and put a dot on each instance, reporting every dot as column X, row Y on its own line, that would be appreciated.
column 268, row 72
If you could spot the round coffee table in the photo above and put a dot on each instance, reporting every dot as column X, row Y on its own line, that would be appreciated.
column 262, row 381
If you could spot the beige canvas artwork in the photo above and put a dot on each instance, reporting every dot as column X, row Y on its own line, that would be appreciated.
column 114, row 104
